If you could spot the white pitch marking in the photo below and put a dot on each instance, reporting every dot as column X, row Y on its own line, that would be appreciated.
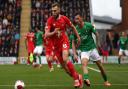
column 93, row 69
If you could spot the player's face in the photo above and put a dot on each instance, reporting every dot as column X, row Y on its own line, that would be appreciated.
column 124, row 34
column 78, row 19
column 55, row 11
column 36, row 29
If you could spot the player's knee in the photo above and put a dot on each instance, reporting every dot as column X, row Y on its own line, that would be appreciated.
column 65, row 58
column 84, row 62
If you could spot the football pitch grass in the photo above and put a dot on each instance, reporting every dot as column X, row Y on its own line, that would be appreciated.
column 43, row 79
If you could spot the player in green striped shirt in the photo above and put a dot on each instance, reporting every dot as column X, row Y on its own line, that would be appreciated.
column 123, row 42
column 39, row 45
column 88, row 48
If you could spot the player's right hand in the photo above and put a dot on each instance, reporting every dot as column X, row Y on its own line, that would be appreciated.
column 57, row 30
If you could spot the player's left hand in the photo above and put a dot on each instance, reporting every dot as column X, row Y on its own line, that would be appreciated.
column 76, row 58
column 57, row 30
column 78, row 42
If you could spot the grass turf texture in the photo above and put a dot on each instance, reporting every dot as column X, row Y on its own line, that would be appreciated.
column 43, row 79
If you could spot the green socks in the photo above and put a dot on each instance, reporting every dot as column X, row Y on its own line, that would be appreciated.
column 85, row 76
column 39, row 59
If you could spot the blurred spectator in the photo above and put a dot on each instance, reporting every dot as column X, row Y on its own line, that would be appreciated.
column 109, row 42
column 115, row 40
column 104, row 51
column 5, row 21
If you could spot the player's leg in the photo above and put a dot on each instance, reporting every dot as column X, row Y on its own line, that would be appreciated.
column 59, row 56
column 77, row 77
column 30, row 54
column 84, row 61
column 95, row 55
column 120, row 56
column 56, row 60
column 103, row 73
column 49, row 61
column 39, row 52
column 31, row 58
column 34, row 56
column 28, row 59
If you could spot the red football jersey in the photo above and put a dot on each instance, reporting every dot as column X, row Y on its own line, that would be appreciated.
column 60, row 23
column 30, row 41
column 30, row 38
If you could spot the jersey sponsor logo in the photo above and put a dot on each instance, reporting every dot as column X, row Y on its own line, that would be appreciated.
column 64, row 45
column 84, row 37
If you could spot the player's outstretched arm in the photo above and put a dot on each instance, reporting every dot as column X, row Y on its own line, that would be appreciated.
column 77, row 35
column 74, row 49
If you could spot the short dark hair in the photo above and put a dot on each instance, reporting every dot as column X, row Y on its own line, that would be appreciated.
column 56, row 4
column 37, row 27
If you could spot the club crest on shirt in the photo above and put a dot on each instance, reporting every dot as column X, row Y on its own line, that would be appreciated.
column 64, row 45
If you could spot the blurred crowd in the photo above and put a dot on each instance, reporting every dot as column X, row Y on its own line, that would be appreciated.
column 10, row 12
column 111, row 42
column 41, row 10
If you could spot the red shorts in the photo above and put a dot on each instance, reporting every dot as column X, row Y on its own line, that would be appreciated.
column 31, row 48
column 49, row 52
column 59, row 49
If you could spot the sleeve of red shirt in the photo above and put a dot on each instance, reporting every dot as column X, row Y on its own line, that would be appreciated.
column 68, row 22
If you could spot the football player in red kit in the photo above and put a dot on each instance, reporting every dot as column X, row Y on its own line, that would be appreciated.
column 29, row 42
column 56, row 30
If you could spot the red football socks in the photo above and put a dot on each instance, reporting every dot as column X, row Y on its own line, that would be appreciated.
column 49, row 64
column 72, row 70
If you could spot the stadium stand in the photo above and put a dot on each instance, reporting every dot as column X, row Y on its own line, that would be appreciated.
column 10, row 12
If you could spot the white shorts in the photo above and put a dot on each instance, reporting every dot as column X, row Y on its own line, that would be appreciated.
column 38, row 49
column 123, row 52
column 92, row 54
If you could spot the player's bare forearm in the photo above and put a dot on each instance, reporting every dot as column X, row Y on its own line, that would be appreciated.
column 77, row 35
column 49, row 34
column 73, row 47
column 74, row 51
